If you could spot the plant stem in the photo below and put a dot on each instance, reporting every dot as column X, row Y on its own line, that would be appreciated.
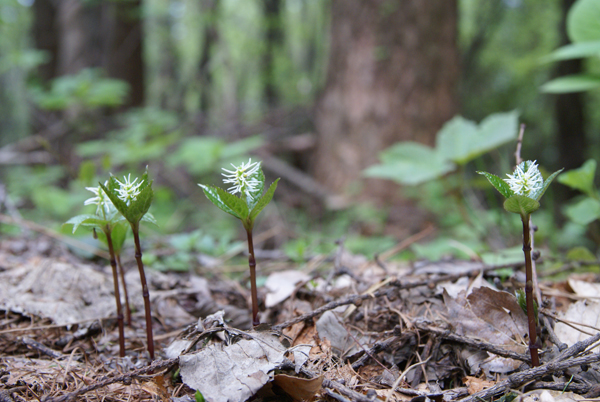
column 253, row 291
column 145, row 292
column 122, row 275
column 533, row 349
column 113, row 265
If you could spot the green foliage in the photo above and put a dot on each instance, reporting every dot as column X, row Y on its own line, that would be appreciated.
column 499, row 184
column 135, row 211
column 86, row 88
column 583, row 28
column 523, row 303
column 521, row 204
column 581, row 179
column 583, row 212
column 458, row 142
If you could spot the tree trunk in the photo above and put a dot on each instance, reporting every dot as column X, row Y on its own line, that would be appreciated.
column 392, row 76
column 45, row 36
column 210, row 8
column 570, row 118
column 273, row 41
column 124, row 59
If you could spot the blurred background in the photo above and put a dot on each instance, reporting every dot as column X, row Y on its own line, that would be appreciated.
column 319, row 90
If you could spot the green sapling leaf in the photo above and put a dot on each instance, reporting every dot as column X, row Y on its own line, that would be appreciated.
column 581, row 179
column 499, row 184
column 253, row 195
column 85, row 220
column 263, row 201
column 521, row 204
column 538, row 194
column 214, row 196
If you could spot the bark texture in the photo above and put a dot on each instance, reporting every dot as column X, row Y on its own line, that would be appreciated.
column 392, row 76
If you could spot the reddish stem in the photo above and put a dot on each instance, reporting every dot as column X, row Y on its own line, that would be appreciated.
column 145, row 291
column 113, row 265
column 253, row 290
column 533, row 348
column 122, row 275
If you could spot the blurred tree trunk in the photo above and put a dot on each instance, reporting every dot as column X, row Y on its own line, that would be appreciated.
column 570, row 115
column 123, row 38
column 393, row 69
column 273, row 41
column 45, row 36
column 210, row 8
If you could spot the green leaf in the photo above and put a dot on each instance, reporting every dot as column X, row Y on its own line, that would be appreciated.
column 199, row 397
column 253, row 196
column 571, row 83
column 111, row 192
column 499, row 184
column 584, row 212
column 148, row 217
column 226, row 202
column 410, row 163
column 138, row 208
column 538, row 194
column 583, row 21
column 581, row 179
column 461, row 140
column 263, row 201
column 118, row 235
column 85, row 220
column 522, row 205
column 575, row 51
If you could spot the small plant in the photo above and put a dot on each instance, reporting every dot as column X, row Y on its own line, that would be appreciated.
column 106, row 219
column 133, row 199
column 523, row 190
column 247, row 179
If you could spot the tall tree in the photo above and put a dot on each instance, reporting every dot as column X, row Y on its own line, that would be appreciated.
column 393, row 69
column 273, row 41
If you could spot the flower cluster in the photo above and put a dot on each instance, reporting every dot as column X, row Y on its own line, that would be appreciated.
column 526, row 179
column 242, row 177
column 128, row 190
column 105, row 205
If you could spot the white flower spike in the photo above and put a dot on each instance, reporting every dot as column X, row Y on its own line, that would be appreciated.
column 128, row 190
column 526, row 179
column 241, row 177
column 105, row 206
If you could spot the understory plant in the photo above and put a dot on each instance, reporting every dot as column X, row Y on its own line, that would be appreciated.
column 523, row 190
column 248, row 180
column 117, row 202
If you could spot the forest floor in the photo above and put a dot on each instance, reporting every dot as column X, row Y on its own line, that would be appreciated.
column 340, row 327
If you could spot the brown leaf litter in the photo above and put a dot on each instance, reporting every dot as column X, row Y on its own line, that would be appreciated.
column 342, row 328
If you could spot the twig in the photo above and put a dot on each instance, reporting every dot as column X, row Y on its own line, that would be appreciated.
column 551, row 334
column 356, row 396
column 42, row 348
column 125, row 378
column 488, row 347
column 519, row 379
column 576, row 348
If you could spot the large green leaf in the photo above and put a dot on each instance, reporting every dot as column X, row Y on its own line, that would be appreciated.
column 410, row 163
column 584, row 212
column 521, row 204
column 583, row 21
column 214, row 195
column 499, row 184
column 85, row 220
column 581, row 179
column 575, row 51
column 461, row 140
column 571, row 83
column 538, row 194
column 111, row 192
column 263, row 201
column 253, row 196
column 138, row 208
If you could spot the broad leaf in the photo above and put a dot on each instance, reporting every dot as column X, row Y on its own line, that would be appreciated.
column 148, row 217
column 571, row 83
column 584, row 212
column 581, row 179
column 263, row 201
column 410, row 163
column 118, row 235
column 111, row 192
column 138, row 208
column 456, row 139
column 583, row 21
column 538, row 194
column 85, row 220
column 253, row 196
column 575, row 51
column 521, row 204
column 211, row 193
column 499, row 184
column 234, row 203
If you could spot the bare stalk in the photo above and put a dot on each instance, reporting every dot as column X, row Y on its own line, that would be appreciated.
column 113, row 265
column 145, row 291
column 122, row 275
column 253, row 290
column 533, row 349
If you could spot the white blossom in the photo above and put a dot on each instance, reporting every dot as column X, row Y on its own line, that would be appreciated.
column 105, row 205
column 128, row 190
column 242, row 177
column 525, row 182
